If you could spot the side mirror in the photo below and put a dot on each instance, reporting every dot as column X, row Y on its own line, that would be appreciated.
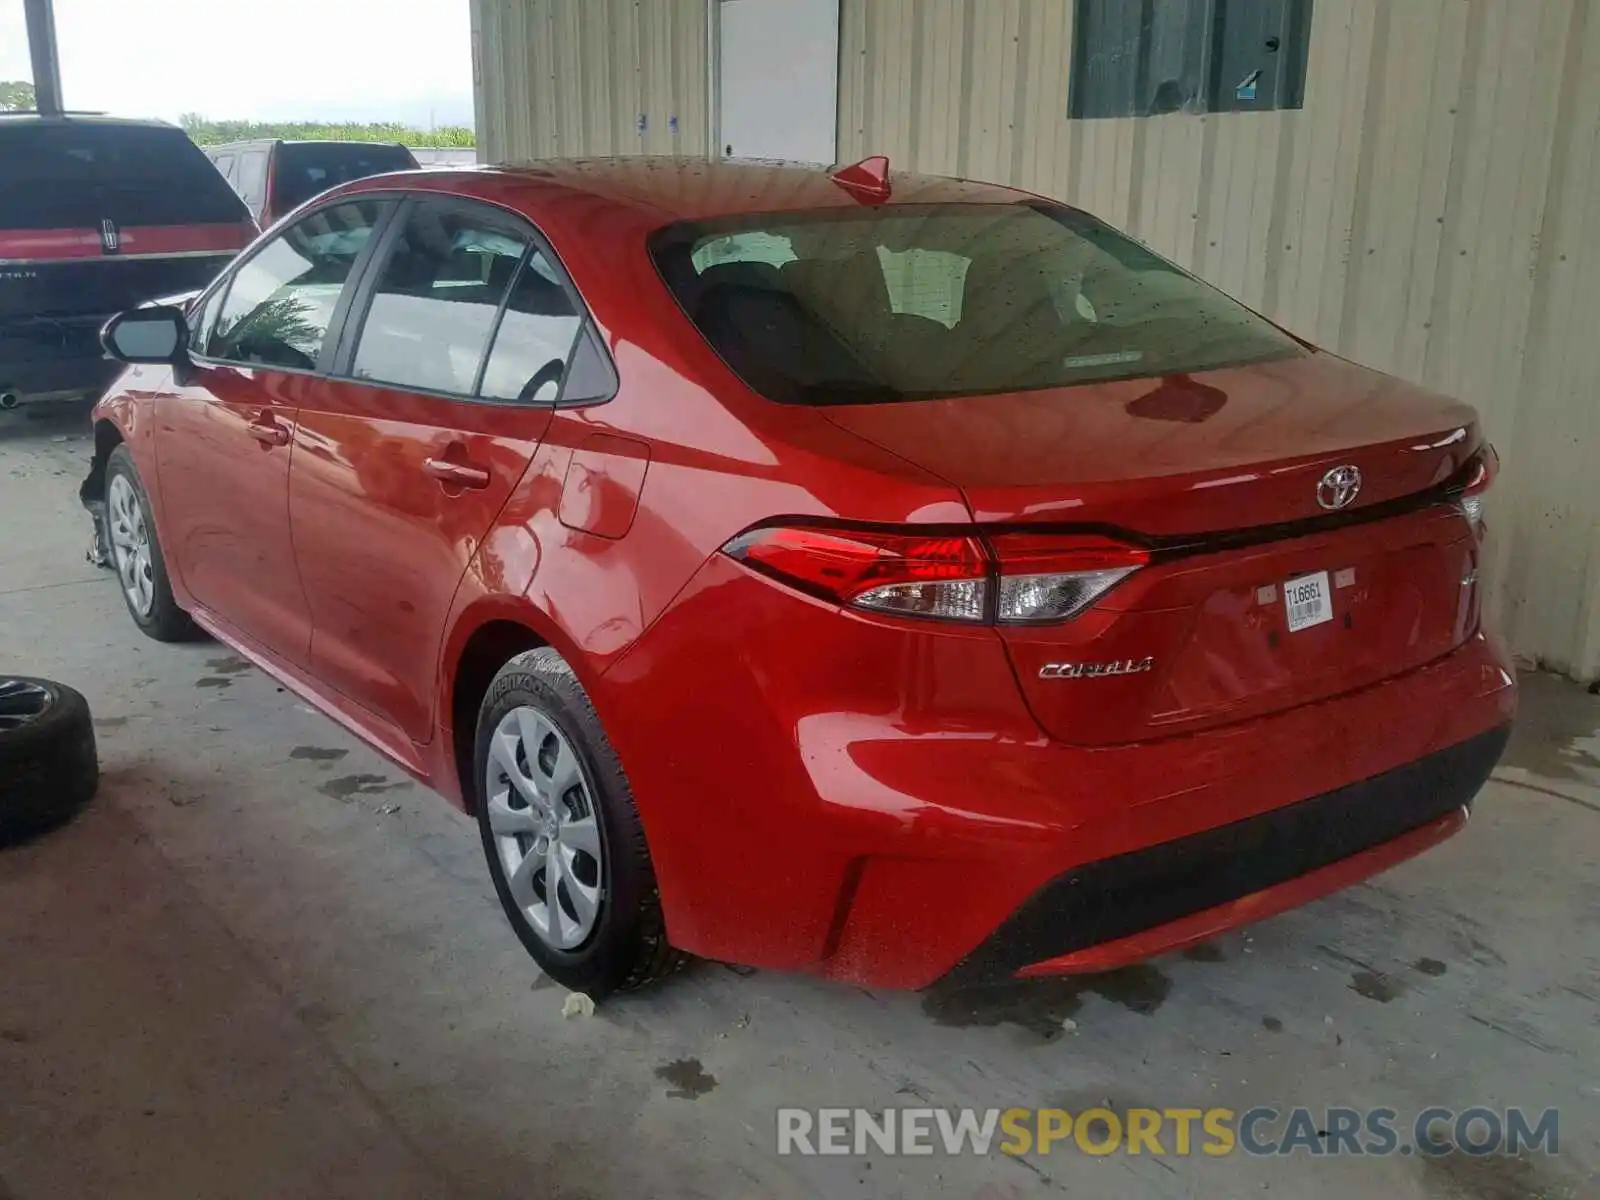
column 158, row 334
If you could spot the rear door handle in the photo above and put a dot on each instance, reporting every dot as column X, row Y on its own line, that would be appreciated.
column 456, row 474
column 268, row 432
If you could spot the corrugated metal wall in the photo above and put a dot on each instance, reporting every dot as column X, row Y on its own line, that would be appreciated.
column 570, row 77
column 1434, row 210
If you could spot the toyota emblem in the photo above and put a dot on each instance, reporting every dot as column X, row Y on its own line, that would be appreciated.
column 1339, row 488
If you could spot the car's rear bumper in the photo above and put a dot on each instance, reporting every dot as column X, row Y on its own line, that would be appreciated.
column 870, row 799
column 1118, row 910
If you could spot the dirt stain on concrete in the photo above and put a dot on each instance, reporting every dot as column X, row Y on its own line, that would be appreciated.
column 688, row 1079
column 232, row 664
column 1462, row 1176
column 1272, row 1024
column 214, row 681
column 347, row 786
column 321, row 755
column 1375, row 985
column 1040, row 1006
column 1430, row 966
column 1556, row 715
column 1206, row 952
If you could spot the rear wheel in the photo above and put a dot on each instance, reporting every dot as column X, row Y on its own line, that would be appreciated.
column 561, row 833
column 136, row 554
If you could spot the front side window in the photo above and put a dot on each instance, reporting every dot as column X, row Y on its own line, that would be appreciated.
column 926, row 301
column 281, row 302
column 436, row 300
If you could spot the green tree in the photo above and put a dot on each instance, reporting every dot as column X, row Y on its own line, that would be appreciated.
column 16, row 95
column 207, row 132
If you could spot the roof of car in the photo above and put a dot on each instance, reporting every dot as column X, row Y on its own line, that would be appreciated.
column 38, row 118
column 683, row 188
column 249, row 143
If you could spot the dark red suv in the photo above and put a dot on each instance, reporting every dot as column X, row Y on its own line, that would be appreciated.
column 97, row 215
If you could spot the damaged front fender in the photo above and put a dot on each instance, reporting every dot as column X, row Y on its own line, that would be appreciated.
column 92, row 494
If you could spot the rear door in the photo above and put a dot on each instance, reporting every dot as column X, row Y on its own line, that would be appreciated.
column 454, row 353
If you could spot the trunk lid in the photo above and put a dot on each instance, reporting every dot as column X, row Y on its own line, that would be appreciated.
column 1198, row 454
column 1219, row 475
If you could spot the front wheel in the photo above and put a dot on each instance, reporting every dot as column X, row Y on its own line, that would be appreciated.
column 136, row 554
column 562, row 836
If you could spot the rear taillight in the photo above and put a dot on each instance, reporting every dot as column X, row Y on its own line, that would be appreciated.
column 942, row 577
column 1012, row 578
column 1481, row 472
column 1049, row 577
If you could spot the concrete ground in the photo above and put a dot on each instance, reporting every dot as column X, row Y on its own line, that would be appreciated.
column 262, row 964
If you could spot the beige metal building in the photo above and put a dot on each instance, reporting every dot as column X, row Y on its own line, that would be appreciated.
column 1414, row 184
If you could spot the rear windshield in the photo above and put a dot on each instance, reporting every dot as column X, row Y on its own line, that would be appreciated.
column 852, row 306
column 308, row 169
column 58, row 175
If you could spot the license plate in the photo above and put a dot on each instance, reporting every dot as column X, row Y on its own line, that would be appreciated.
column 1308, row 600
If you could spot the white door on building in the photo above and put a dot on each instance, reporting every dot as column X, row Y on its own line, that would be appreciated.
column 779, row 79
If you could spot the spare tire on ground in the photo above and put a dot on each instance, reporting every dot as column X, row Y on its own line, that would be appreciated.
column 49, row 768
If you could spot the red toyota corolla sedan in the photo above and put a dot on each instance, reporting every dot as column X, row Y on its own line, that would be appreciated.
column 892, row 577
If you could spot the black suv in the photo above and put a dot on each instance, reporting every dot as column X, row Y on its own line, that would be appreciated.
column 98, row 215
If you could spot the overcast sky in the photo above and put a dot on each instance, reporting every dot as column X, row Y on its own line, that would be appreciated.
column 365, row 60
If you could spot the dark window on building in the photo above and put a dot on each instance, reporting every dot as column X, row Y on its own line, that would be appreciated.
column 1141, row 58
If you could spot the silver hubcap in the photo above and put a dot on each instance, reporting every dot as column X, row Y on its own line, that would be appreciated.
column 542, row 815
column 21, row 703
column 130, row 546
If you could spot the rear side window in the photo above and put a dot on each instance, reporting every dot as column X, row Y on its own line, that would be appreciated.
column 437, row 298
column 536, row 335
column 303, row 170
column 281, row 302
column 908, row 302
column 65, row 175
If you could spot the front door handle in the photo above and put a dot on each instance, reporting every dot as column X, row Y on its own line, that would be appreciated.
column 267, row 431
column 456, row 474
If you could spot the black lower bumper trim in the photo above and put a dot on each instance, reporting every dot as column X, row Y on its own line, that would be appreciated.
column 1117, row 897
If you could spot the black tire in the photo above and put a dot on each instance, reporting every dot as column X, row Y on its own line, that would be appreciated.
column 165, row 622
column 628, row 946
column 49, row 768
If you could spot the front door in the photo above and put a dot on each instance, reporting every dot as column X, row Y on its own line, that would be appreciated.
column 225, row 427
column 778, row 79
column 402, row 465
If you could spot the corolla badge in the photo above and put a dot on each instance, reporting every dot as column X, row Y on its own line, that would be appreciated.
column 1339, row 488
column 1101, row 670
